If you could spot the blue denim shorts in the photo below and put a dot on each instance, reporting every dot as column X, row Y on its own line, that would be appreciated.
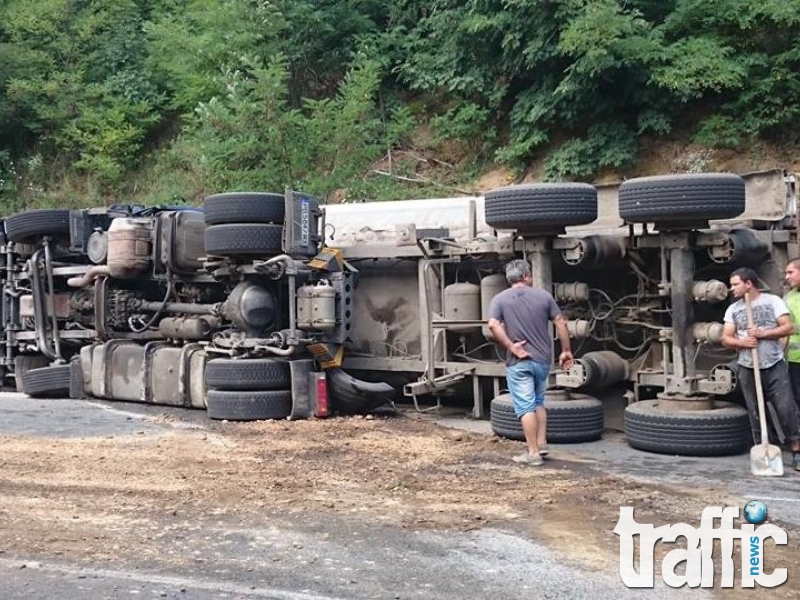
column 527, row 382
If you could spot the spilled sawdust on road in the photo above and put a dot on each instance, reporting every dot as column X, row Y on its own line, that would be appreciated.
column 114, row 499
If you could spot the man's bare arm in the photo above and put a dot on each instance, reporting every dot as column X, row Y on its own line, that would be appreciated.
column 730, row 341
column 785, row 327
column 499, row 331
column 565, row 359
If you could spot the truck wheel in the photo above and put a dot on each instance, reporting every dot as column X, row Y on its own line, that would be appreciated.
column 248, row 405
column 715, row 432
column 681, row 198
column 355, row 396
column 31, row 223
column 24, row 363
column 47, row 382
column 247, row 374
column 545, row 207
column 244, row 238
column 244, row 207
column 579, row 419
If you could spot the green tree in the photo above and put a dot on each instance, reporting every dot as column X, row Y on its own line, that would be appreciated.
column 253, row 138
column 743, row 56
column 83, row 92
column 583, row 63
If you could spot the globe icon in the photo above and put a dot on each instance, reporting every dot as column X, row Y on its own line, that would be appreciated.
column 755, row 512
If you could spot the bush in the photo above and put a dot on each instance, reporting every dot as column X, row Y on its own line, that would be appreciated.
column 606, row 145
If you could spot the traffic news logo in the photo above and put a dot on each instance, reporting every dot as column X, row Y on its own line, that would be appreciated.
column 698, row 554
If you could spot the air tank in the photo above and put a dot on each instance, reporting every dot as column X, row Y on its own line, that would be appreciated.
column 491, row 285
column 462, row 302
column 316, row 307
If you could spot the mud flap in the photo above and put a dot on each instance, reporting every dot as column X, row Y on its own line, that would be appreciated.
column 300, row 373
column 351, row 395
column 76, row 387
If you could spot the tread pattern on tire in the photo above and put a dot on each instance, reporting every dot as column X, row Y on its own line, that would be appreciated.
column 244, row 207
column 26, row 362
column 253, row 405
column 579, row 419
column 677, row 198
column 353, row 396
column 31, row 223
column 542, row 207
column 47, row 382
column 718, row 432
column 243, row 238
column 247, row 374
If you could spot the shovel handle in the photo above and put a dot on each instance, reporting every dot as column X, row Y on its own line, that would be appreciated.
column 762, row 416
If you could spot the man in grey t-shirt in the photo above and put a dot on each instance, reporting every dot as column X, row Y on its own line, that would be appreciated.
column 519, row 319
column 771, row 322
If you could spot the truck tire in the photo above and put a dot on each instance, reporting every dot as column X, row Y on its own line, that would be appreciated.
column 541, row 207
column 248, row 405
column 717, row 432
column 681, row 198
column 47, row 382
column 31, row 223
column 24, row 363
column 247, row 374
column 579, row 419
column 244, row 207
column 353, row 396
column 244, row 238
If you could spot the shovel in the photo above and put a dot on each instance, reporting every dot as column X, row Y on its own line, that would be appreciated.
column 765, row 460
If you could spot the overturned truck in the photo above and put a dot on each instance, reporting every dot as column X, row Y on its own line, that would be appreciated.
column 262, row 305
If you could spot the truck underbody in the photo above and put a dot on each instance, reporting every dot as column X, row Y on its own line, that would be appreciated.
column 266, row 305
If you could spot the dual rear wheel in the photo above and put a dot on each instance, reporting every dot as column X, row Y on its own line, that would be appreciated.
column 243, row 224
column 248, row 389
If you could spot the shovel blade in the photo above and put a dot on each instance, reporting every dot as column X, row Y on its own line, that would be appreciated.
column 766, row 461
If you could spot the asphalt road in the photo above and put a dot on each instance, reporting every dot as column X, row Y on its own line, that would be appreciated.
column 729, row 474
column 345, row 555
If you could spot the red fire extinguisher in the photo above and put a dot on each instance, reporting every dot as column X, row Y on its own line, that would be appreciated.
column 321, row 408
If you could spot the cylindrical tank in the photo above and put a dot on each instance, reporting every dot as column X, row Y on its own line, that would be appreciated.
column 708, row 332
column 571, row 292
column 251, row 307
column 709, row 291
column 462, row 302
column 491, row 285
column 129, row 246
column 187, row 328
column 603, row 368
column 578, row 328
column 97, row 247
column 742, row 248
column 594, row 252
column 316, row 307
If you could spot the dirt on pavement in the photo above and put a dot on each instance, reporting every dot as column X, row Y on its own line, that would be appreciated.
column 107, row 500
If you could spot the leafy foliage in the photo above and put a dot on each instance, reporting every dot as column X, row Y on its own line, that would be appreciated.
column 252, row 138
column 605, row 145
column 80, row 83
column 199, row 96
